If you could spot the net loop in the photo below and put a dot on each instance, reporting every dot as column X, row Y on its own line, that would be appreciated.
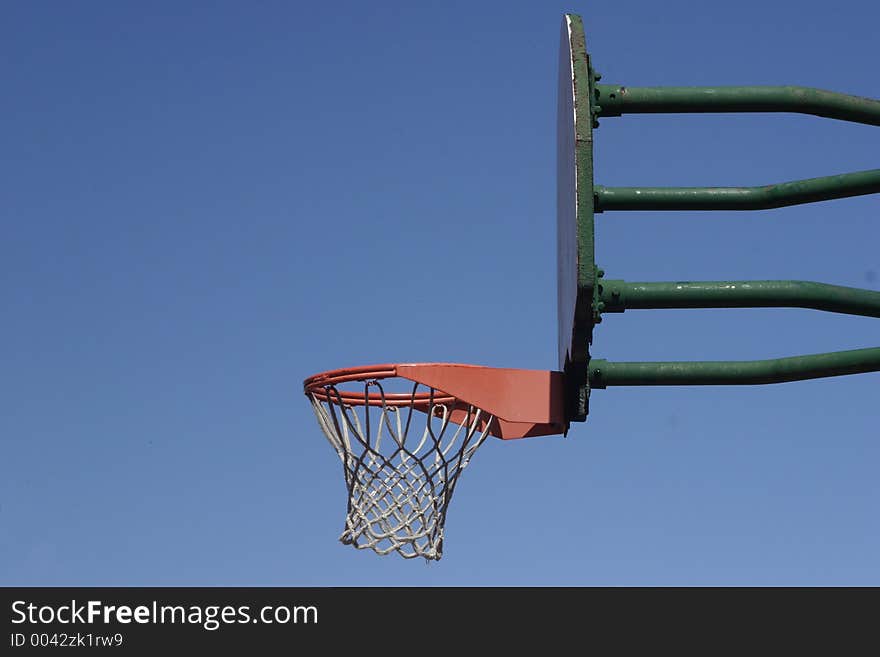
column 402, row 455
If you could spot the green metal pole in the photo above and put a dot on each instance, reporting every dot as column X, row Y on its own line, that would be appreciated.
column 738, row 198
column 614, row 100
column 618, row 296
column 605, row 373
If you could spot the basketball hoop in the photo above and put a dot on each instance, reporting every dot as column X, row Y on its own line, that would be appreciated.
column 405, row 432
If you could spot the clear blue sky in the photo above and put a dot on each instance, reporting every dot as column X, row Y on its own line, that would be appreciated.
column 204, row 203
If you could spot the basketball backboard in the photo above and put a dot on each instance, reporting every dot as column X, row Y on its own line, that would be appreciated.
column 576, row 267
column 405, row 431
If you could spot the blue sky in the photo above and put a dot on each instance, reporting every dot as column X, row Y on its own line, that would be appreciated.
column 204, row 203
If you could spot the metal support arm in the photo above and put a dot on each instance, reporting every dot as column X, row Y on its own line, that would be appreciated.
column 618, row 296
column 615, row 100
column 738, row 198
column 605, row 373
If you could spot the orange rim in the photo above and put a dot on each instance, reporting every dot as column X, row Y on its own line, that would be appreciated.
column 318, row 385
column 522, row 402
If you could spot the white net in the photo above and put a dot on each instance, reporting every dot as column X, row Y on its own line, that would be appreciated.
column 402, row 455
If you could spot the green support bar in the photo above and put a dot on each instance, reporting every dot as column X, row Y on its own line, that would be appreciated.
column 618, row 296
column 605, row 373
column 738, row 198
column 615, row 100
